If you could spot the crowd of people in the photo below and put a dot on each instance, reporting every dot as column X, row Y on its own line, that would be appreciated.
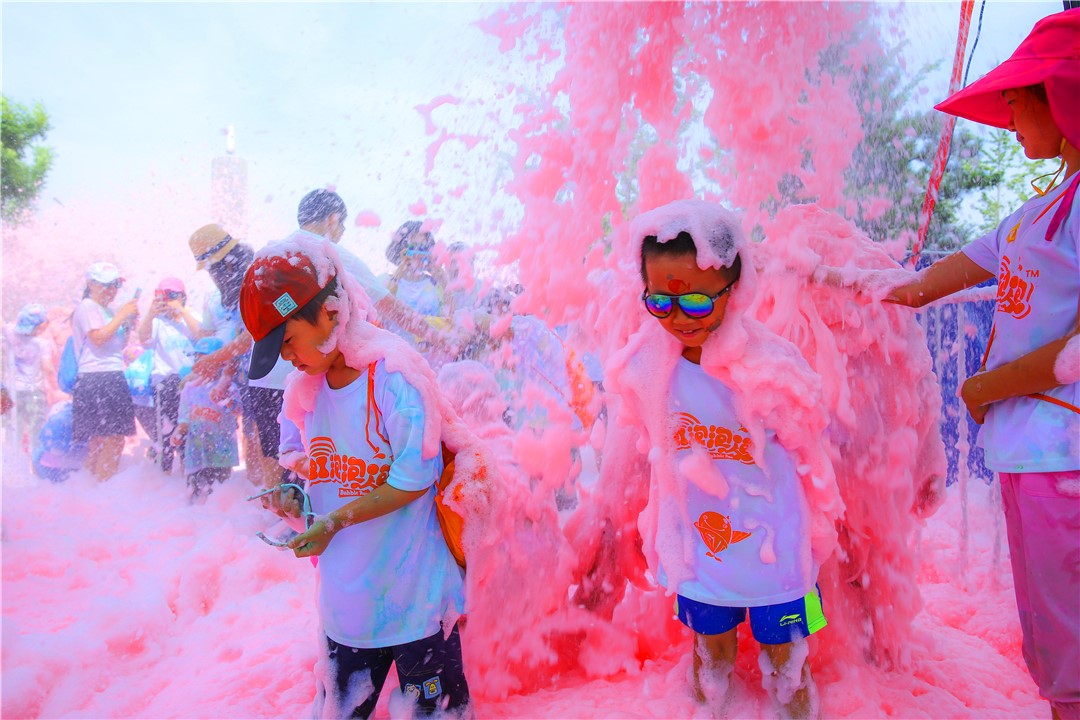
column 742, row 502
column 181, row 374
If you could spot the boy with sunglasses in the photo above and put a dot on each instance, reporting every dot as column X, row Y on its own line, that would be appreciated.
column 741, row 498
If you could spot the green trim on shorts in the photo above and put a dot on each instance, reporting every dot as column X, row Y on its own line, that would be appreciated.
column 815, row 616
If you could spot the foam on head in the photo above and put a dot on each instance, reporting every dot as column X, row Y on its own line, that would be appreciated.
column 715, row 230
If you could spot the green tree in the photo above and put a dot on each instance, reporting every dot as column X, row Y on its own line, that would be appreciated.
column 1000, row 150
column 24, row 162
column 894, row 160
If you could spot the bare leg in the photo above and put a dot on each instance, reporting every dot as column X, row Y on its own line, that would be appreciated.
column 786, row 677
column 714, row 661
column 104, row 455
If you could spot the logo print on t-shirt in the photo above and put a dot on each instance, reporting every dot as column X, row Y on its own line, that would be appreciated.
column 720, row 442
column 353, row 476
column 1014, row 291
column 717, row 533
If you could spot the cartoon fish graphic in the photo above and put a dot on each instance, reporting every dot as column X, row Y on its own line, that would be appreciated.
column 717, row 534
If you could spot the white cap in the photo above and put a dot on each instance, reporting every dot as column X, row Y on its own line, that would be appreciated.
column 103, row 273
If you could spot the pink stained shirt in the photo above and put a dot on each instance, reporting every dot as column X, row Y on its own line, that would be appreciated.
column 738, row 534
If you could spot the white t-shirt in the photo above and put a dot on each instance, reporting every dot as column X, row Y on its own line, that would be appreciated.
column 226, row 324
column 421, row 294
column 1038, row 290
column 171, row 340
column 222, row 323
column 389, row 580
column 356, row 267
column 24, row 360
column 747, row 535
column 107, row 357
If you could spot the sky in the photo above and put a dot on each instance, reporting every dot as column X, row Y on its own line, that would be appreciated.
column 320, row 94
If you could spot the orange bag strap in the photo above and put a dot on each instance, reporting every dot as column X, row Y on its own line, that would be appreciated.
column 373, row 406
column 1034, row 396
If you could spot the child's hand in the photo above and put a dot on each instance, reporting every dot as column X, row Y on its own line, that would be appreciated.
column 210, row 366
column 128, row 310
column 314, row 540
column 929, row 496
column 877, row 285
column 219, row 394
column 296, row 461
column 970, row 392
column 178, row 434
column 283, row 502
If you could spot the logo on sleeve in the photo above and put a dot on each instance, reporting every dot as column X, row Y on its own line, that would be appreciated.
column 1015, row 289
column 717, row 533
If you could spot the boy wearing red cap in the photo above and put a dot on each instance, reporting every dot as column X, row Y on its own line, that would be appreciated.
column 367, row 409
column 1028, row 404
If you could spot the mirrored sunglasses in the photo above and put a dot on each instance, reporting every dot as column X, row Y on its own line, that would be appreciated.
column 694, row 305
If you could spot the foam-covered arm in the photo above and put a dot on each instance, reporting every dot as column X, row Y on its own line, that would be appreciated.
column 383, row 500
column 945, row 277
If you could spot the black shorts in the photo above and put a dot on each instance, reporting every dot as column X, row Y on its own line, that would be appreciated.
column 101, row 406
column 263, row 405
column 429, row 671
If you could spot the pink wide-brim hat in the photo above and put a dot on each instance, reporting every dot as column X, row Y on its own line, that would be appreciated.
column 1050, row 55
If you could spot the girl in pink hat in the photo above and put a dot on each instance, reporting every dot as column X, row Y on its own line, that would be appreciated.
column 170, row 329
column 1027, row 395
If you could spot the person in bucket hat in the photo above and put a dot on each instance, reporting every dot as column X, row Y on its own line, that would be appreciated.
column 226, row 260
column 168, row 329
column 1029, row 408
column 209, row 244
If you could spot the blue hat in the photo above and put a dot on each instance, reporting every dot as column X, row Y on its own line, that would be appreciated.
column 208, row 345
column 30, row 317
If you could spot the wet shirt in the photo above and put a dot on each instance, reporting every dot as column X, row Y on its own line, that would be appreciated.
column 171, row 340
column 24, row 360
column 1038, row 291
column 389, row 580
column 211, row 438
column 420, row 294
column 107, row 357
column 742, row 529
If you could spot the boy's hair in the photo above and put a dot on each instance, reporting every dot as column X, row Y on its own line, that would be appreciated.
column 309, row 313
column 318, row 205
column 681, row 244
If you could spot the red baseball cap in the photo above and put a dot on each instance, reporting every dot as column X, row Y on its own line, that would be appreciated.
column 275, row 287
column 1050, row 55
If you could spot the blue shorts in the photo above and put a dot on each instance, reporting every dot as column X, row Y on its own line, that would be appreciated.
column 771, row 624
